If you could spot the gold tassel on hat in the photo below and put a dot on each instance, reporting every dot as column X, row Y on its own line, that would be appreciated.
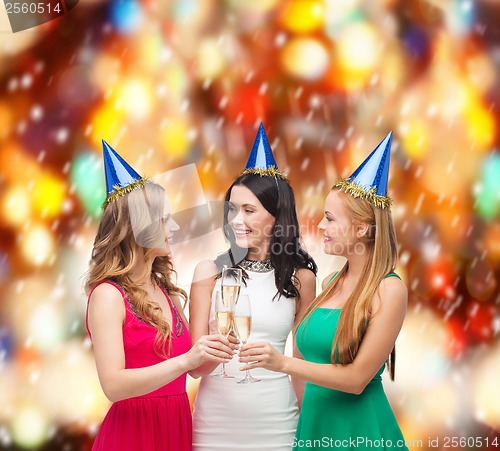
column 371, row 195
column 120, row 191
column 269, row 172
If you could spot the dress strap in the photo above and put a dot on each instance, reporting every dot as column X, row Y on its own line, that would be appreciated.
column 176, row 316
column 391, row 274
column 331, row 278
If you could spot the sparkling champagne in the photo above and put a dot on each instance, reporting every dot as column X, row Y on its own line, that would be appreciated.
column 224, row 322
column 243, row 325
column 230, row 295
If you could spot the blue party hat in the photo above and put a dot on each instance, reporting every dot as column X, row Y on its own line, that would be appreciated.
column 120, row 177
column 369, row 181
column 261, row 159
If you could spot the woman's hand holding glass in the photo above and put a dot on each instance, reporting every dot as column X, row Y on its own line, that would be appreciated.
column 261, row 355
column 210, row 348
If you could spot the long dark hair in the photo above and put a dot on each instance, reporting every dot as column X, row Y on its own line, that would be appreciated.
column 287, row 254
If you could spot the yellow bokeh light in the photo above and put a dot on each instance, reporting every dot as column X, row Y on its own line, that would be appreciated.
column 458, row 98
column 16, row 205
column 358, row 48
column 305, row 58
column 37, row 245
column 303, row 16
column 135, row 96
column 107, row 124
column 486, row 389
column 452, row 96
column 415, row 138
column 29, row 426
column 48, row 196
column 175, row 79
column 355, row 81
column 357, row 56
column 46, row 326
column 150, row 46
column 412, row 432
column 175, row 82
column 210, row 59
column 174, row 138
column 480, row 125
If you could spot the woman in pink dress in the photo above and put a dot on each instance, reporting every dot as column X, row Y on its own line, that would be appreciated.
column 140, row 336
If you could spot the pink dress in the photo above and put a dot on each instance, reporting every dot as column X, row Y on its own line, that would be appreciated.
column 160, row 420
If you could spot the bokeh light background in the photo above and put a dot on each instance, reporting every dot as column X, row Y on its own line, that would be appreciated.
column 172, row 83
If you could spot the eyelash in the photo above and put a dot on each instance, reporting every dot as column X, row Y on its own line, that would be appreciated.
column 233, row 209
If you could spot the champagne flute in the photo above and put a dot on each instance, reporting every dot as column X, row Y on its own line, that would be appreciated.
column 231, row 285
column 224, row 320
column 243, row 325
column 224, row 305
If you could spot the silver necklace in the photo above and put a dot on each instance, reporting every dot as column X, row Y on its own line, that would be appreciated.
column 256, row 265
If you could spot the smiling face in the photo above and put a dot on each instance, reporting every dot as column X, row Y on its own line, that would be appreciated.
column 341, row 234
column 251, row 223
column 169, row 227
column 151, row 219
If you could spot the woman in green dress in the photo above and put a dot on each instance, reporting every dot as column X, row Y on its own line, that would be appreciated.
column 348, row 333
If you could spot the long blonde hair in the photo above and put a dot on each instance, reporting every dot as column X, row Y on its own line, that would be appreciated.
column 381, row 250
column 129, row 231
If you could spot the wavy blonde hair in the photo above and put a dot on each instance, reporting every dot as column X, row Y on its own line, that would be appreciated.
column 129, row 231
column 381, row 249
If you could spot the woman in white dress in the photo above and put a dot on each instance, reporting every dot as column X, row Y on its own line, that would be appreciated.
column 261, row 225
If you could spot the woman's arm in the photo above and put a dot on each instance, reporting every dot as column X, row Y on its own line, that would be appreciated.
column 307, row 290
column 106, row 314
column 379, row 339
column 199, row 310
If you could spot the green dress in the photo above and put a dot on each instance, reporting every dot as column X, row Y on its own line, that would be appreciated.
column 335, row 419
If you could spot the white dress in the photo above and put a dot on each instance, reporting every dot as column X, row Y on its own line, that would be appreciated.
column 256, row 416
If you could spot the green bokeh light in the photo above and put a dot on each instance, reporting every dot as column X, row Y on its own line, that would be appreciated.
column 488, row 197
column 88, row 178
